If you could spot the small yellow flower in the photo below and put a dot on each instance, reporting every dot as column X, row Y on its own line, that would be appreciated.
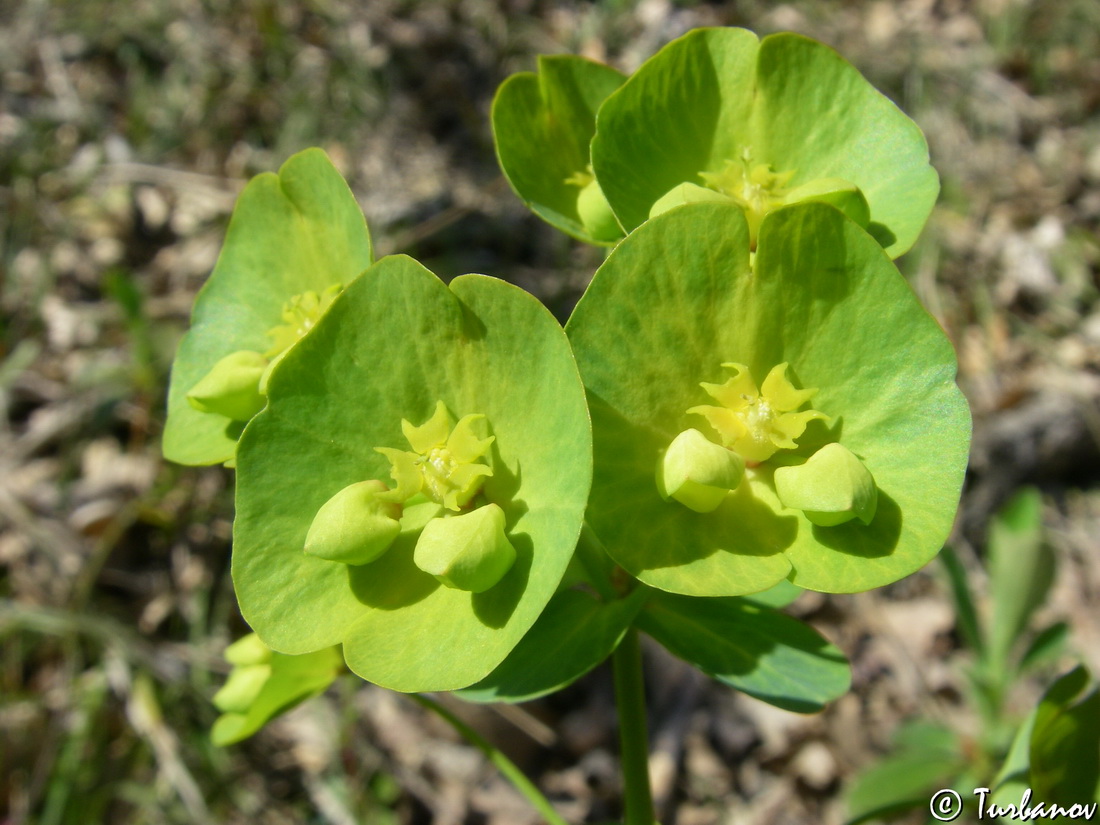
column 443, row 463
column 754, row 186
column 757, row 423
column 236, row 386
column 300, row 313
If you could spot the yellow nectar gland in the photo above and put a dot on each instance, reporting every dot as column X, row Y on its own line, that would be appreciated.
column 443, row 463
column 756, row 423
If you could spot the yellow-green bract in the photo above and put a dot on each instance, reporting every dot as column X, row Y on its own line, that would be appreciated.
column 542, row 126
column 264, row 684
column 765, row 123
column 674, row 302
column 296, row 232
column 396, row 342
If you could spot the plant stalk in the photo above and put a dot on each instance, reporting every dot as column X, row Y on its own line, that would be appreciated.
column 590, row 553
column 501, row 762
column 633, row 739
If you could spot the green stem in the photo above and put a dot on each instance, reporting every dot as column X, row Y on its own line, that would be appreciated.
column 634, row 742
column 594, row 559
column 501, row 762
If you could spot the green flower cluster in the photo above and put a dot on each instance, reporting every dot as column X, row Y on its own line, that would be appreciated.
column 467, row 552
column 747, row 400
column 716, row 116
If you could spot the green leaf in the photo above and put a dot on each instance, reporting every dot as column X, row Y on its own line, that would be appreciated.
column 1065, row 743
column 777, row 596
column 574, row 634
column 674, row 301
column 283, row 682
column 1021, row 569
column 754, row 649
column 293, row 232
column 970, row 627
column 1012, row 779
column 1046, row 645
column 395, row 343
column 542, row 125
column 718, row 96
column 928, row 758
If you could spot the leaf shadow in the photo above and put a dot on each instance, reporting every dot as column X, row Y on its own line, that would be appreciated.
column 473, row 328
column 881, row 233
column 494, row 607
column 875, row 540
column 393, row 581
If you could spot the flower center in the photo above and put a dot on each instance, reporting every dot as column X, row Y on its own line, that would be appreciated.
column 755, row 186
column 300, row 313
column 437, row 467
column 756, row 423
column 444, row 463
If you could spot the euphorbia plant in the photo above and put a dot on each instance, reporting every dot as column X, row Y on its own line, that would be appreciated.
column 770, row 406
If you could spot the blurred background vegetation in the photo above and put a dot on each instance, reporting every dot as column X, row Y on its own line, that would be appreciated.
column 126, row 130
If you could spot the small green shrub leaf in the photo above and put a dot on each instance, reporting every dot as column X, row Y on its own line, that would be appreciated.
column 1012, row 780
column 928, row 757
column 1047, row 645
column 1021, row 570
column 752, row 648
column 1065, row 742
column 967, row 619
column 291, row 233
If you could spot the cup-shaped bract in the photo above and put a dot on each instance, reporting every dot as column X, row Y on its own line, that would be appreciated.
column 697, row 472
column 355, row 526
column 826, row 316
column 542, row 125
column 394, row 344
column 767, row 122
column 468, row 551
column 832, row 487
column 293, row 238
